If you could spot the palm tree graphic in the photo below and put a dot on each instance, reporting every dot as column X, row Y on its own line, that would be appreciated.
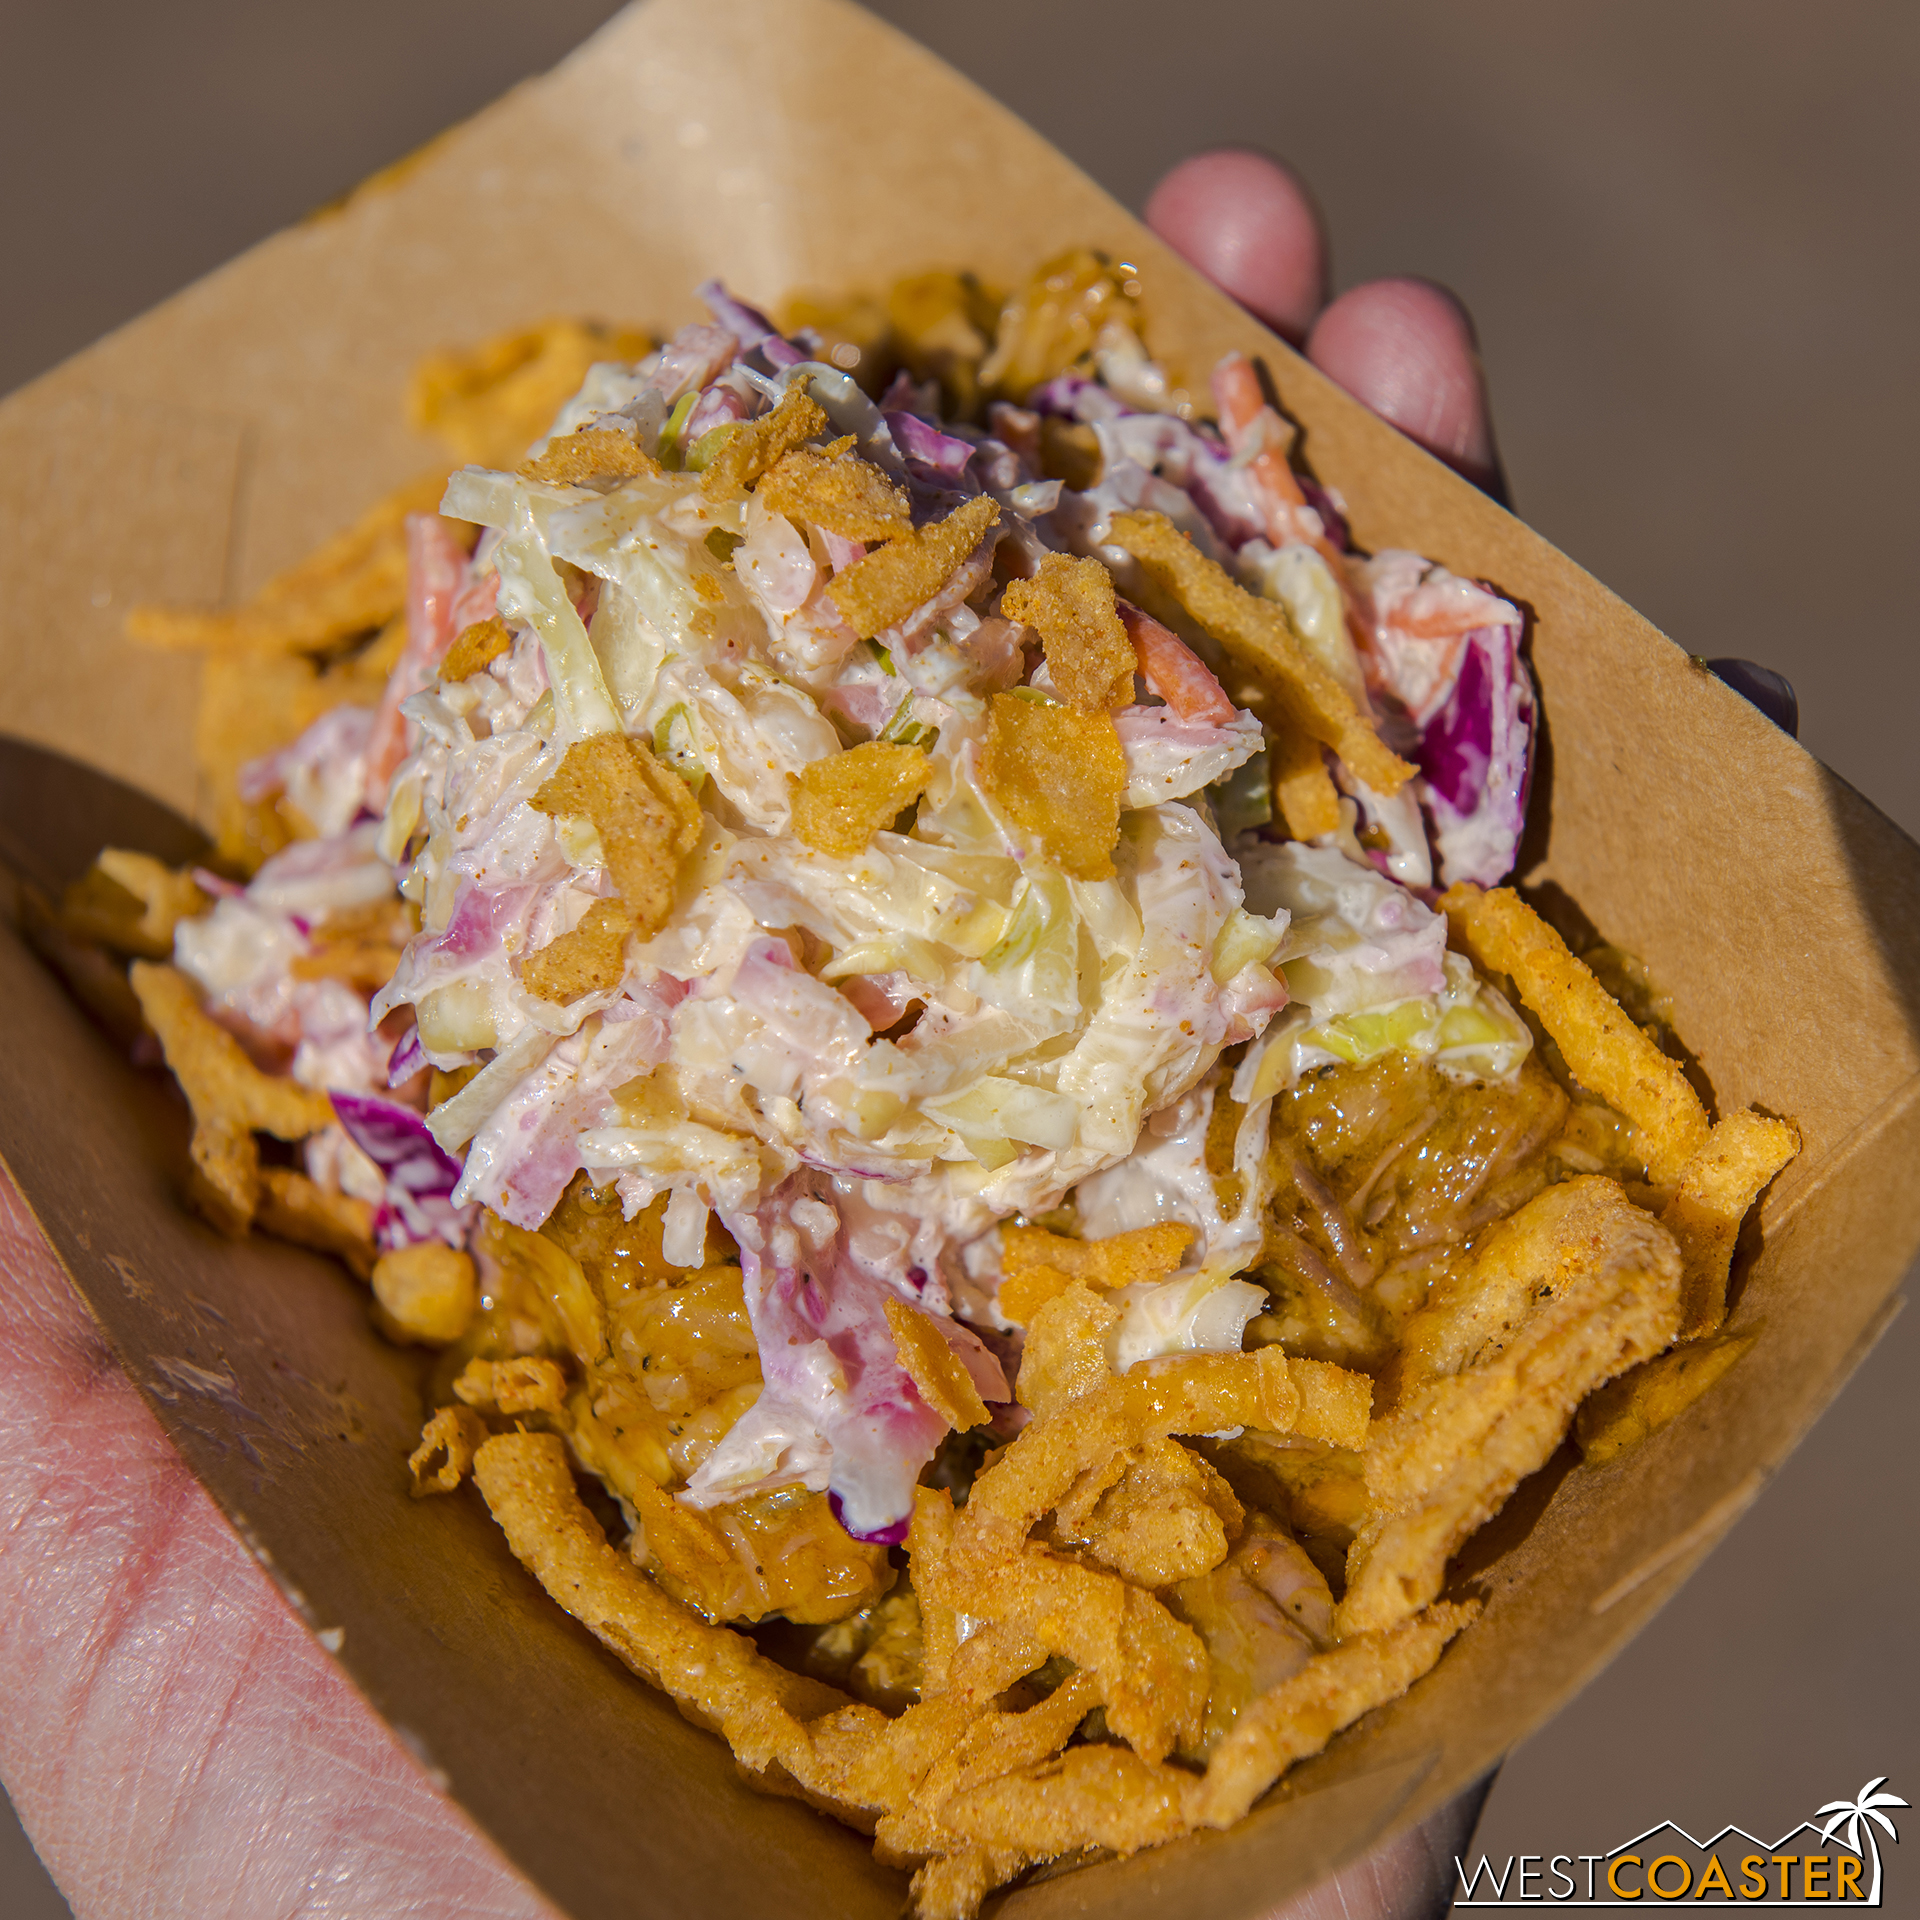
column 1860, row 1815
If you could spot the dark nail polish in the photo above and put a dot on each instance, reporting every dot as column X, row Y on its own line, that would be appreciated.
column 1771, row 692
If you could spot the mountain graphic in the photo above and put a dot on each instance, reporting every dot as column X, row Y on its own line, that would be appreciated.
column 1713, row 1840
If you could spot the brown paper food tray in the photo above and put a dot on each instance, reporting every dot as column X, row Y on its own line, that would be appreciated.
column 781, row 144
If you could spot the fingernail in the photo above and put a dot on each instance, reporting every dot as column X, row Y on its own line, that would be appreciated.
column 1771, row 692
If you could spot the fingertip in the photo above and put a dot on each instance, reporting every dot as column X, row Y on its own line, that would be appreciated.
column 1248, row 223
column 1406, row 348
column 1773, row 693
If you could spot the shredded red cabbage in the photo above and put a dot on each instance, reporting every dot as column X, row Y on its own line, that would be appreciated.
column 420, row 1176
column 931, row 455
column 1476, row 760
column 407, row 1058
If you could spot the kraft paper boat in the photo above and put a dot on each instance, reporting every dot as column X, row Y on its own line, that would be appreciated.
column 782, row 144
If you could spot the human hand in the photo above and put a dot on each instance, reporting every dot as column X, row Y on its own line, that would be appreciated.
column 1405, row 348
column 175, row 1741
column 173, row 1738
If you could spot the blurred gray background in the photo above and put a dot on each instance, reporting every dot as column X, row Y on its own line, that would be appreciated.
column 1687, row 235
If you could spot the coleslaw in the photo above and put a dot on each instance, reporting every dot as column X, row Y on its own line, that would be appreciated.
column 862, row 1064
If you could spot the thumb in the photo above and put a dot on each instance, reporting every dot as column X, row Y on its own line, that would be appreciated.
column 175, row 1741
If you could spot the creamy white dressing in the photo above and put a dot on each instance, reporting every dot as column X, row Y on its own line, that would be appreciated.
column 1166, row 1177
column 1046, row 1036
column 1203, row 1312
column 1169, row 758
column 1369, row 971
column 1355, row 939
column 1298, row 576
column 1417, row 614
column 323, row 773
